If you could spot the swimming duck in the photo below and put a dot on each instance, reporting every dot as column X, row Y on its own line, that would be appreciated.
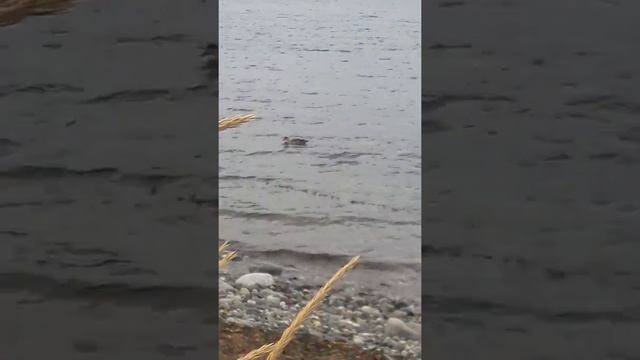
column 210, row 54
column 294, row 141
column 210, row 50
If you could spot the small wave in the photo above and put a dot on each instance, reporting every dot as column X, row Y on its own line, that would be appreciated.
column 334, row 197
column 129, row 96
column 150, row 294
column 347, row 155
column 302, row 220
column 261, row 153
column 159, row 39
column 346, row 162
column 45, row 88
column 326, row 257
column 238, row 177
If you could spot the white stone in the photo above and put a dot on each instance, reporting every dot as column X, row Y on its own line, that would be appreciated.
column 235, row 300
column 370, row 311
column 358, row 340
column 225, row 303
column 244, row 292
column 273, row 300
column 255, row 280
column 349, row 323
column 223, row 286
column 397, row 327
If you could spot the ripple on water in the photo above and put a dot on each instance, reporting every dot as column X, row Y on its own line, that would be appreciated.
column 354, row 188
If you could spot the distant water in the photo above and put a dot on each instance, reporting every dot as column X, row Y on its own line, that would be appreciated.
column 346, row 76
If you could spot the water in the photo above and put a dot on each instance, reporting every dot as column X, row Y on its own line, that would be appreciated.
column 346, row 76
column 107, row 159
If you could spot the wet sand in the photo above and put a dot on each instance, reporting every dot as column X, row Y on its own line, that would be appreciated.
column 108, row 164
column 531, row 165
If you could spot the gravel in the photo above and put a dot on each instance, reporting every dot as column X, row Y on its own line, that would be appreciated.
column 358, row 316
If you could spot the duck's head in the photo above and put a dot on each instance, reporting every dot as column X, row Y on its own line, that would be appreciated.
column 286, row 138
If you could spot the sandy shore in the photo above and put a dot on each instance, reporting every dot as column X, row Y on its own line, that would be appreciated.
column 107, row 165
column 531, row 150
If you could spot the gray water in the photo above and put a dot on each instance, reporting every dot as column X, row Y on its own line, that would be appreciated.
column 346, row 76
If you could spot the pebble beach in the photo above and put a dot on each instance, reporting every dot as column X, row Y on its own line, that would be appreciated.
column 356, row 315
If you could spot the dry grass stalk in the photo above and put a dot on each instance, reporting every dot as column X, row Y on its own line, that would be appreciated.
column 226, row 258
column 258, row 353
column 289, row 332
column 233, row 121
column 12, row 11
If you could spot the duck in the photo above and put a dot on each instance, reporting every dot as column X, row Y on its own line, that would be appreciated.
column 210, row 55
column 210, row 50
column 294, row 141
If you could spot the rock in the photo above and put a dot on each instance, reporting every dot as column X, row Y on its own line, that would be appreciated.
column 235, row 300
column 349, row 323
column 255, row 280
column 225, row 303
column 417, row 328
column 272, row 269
column 397, row 327
column 358, row 340
column 244, row 292
column 273, row 300
column 223, row 286
column 265, row 292
column 373, row 312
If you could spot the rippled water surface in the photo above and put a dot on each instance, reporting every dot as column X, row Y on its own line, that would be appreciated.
column 346, row 76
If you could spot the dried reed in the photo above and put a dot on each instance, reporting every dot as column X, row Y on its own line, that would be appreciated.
column 259, row 352
column 226, row 258
column 289, row 332
column 223, row 246
column 233, row 121
column 12, row 11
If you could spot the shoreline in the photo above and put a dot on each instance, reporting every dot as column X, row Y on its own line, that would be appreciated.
column 309, row 269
